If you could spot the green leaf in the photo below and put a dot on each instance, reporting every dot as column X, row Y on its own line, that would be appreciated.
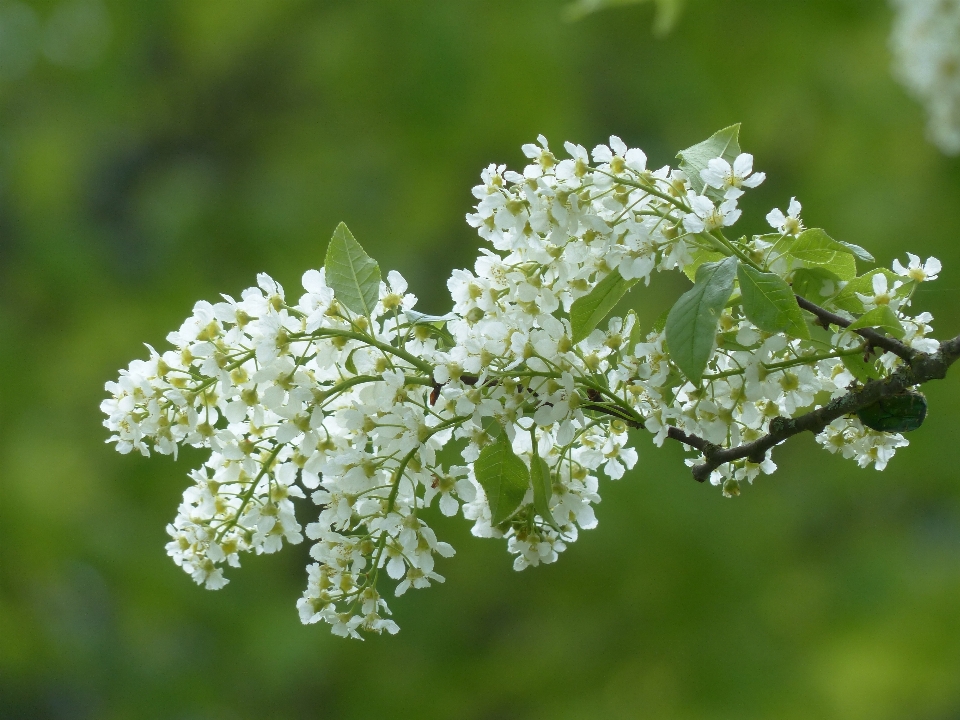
column 587, row 311
column 668, row 11
column 353, row 275
column 814, row 249
column 350, row 365
column 770, row 304
column 815, row 284
column 861, row 369
column 503, row 477
column 542, row 489
column 418, row 318
column 661, row 322
column 636, row 333
column 701, row 256
column 882, row 318
column 858, row 251
column 492, row 427
column 692, row 323
column 898, row 413
column 723, row 143
column 847, row 298
column 728, row 341
column 434, row 324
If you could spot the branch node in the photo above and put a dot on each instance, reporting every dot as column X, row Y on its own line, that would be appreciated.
column 780, row 425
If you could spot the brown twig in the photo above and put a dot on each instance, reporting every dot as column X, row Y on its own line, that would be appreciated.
column 874, row 338
column 921, row 368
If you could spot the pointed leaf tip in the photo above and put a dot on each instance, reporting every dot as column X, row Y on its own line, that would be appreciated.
column 723, row 143
column 353, row 275
column 589, row 311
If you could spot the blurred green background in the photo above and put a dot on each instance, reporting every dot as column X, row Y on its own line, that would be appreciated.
column 156, row 153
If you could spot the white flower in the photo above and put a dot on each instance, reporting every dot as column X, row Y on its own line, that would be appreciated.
column 706, row 216
column 789, row 224
column 883, row 294
column 917, row 271
column 368, row 414
column 541, row 155
column 926, row 48
column 720, row 174
column 618, row 156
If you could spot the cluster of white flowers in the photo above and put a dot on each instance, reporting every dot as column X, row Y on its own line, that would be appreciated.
column 926, row 48
column 376, row 415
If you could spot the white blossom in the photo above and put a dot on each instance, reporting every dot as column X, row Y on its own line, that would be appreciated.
column 926, row 50
column 789, row 223
column 379, row 420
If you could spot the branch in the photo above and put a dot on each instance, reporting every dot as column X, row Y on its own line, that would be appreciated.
column 921, row 368
column 874, row 338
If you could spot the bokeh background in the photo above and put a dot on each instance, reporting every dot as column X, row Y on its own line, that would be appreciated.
column 156, row 153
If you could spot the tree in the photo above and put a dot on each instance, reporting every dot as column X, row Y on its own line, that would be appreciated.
column 351, row 395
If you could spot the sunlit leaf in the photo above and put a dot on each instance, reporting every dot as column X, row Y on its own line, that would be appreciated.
column 814, row 249
column 723, row 143
column 353, row 275
column 770, row 304
column 588, row 311
column 882, row 318
column 860, row 252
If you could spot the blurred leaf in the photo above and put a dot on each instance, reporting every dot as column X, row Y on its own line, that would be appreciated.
column 770, row 304
column 723, row 143
column 661, row 322
column 503, row 477
column 692, row 323
column 352, row 274
column 668, row 11
column 588, row 311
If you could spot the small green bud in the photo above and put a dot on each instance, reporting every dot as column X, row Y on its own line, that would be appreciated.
column 731, row 488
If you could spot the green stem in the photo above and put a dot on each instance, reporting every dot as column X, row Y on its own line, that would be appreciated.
column 726, row 243
column 361, row 379
column 373, row 342
column 804, row 360
column 647, row 188
column 245, row 498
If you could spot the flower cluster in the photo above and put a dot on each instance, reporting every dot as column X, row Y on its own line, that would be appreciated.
column 509, row 408
column 926, row 47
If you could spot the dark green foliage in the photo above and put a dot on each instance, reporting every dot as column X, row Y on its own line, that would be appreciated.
column 896, row 414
